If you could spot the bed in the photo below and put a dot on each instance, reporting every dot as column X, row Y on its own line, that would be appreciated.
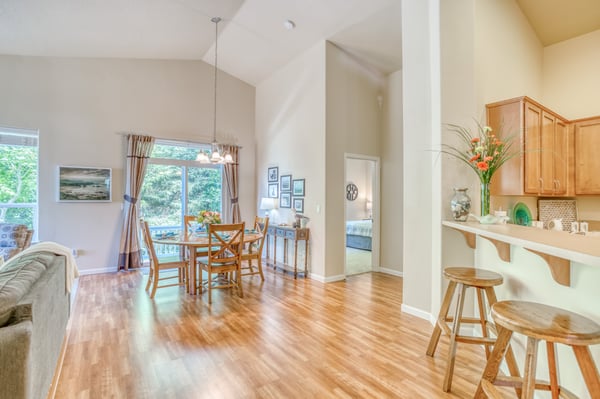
column 358, row 234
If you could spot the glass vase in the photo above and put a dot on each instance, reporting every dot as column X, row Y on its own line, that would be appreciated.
column 460, row 205
column 485, row 199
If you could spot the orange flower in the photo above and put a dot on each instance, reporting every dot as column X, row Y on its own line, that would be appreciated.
column 488, row 158
column 483, row 166
column 474, row 158
column 475, row 140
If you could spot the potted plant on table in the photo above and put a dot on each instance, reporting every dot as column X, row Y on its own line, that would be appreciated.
column 207, row 217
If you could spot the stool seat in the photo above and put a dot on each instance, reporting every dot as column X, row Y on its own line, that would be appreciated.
column 546, row 323
column 473, row 277
column 539, row 322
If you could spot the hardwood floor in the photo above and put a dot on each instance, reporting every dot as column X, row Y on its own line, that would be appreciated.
column 285, row 339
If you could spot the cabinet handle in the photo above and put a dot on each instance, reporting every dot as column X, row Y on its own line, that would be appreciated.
column 557, row 182
column 541, row 188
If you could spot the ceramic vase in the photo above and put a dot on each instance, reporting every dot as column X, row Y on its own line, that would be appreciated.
column 460, row 205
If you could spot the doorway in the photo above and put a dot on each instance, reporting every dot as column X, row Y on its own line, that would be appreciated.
column 361, row 214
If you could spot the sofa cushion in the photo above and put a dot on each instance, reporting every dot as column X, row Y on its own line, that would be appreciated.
column 12, row 235
column 16, row 279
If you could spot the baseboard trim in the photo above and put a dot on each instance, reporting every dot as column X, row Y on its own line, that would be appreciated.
column 418, row 313
column 323, row 279
column 390, row 271
column 103, row 270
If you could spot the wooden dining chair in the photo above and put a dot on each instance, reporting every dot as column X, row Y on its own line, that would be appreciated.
column 255, row 249
column 225, row 244
column 155, row 276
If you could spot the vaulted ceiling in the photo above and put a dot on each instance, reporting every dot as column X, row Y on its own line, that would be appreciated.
column 252, row 39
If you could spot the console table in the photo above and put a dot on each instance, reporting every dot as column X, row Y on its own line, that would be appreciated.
column 287, row 233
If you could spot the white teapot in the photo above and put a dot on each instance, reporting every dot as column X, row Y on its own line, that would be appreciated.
column 555, row 224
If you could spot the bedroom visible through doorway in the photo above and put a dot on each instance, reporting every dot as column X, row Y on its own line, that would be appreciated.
column 360, row 208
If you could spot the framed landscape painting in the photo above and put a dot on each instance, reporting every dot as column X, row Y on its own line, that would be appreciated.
column 84, row 184
column 286, row 183
column 299, row 205
column 285, row 200
column 298, row 187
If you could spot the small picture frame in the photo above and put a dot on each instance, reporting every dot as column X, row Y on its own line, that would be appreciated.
column 84, row 184
column 273, row 190
column 286, row 183
column 273, row 174
column 285, row 200
column 298, row 188
column 299, row 205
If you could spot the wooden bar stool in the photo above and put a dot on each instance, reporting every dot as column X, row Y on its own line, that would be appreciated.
column 463, row 278
column 540, row 322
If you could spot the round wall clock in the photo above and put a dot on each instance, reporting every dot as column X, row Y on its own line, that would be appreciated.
column 351, row 192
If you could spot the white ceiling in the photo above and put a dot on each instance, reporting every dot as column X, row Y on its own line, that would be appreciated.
column 252, row 40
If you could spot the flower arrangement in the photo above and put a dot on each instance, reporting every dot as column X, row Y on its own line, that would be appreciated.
column 209, row 217
column 484, row 152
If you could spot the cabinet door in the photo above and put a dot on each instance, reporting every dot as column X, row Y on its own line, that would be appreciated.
column 561, row 157
column 547, row 154
column 587, row 159
column 533, row 145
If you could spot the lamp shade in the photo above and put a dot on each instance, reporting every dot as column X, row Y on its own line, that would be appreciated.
column 267, row 203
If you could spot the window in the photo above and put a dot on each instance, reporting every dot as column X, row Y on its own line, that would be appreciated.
column 176, row 184
column 19, row 177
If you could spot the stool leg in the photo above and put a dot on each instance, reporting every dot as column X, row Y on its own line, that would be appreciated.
column 455, row 330
column 530, row 365
column 483, row 319
column 493, row 363
column 588, row 369
column 509, row 355
column 437, row 330
column 551, row 351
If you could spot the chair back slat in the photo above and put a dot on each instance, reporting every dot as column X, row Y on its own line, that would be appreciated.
column 225, row 242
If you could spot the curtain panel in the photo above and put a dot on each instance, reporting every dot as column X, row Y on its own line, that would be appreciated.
column 139, row 149
column 231, row 180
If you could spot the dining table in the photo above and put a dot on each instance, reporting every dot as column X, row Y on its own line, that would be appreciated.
column 191, row 241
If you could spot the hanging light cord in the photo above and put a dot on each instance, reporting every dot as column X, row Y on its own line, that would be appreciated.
column 216, row 20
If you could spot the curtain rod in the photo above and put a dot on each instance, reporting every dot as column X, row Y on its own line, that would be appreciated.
column 184, row 141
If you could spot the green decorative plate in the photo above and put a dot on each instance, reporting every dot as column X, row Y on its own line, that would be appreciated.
column 521, row 214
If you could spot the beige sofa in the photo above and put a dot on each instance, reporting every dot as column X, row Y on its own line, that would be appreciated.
column 34, row 311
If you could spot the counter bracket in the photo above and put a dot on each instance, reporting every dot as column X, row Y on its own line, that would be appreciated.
column 469, row 238
column 503, row 248
column 559, row 267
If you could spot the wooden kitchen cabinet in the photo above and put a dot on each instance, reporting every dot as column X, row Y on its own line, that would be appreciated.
column 587, row 157
column 543, row 138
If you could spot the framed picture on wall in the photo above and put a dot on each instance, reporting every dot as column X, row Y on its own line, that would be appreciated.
column 273, row 190
column 299, row 205
column 298, row 188
column 286, row 183
column 84, row 184
column 285, row 200
column 273, row 174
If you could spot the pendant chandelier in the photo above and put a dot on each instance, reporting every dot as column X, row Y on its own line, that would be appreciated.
column 215, row 150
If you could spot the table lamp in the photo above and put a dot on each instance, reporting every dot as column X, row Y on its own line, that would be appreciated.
column 266, row 204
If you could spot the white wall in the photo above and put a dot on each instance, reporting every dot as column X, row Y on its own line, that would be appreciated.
column 421, row 174
column 392, row 182
column 571, row 78
column 353, row 123
column 290, row 130
column 508, row 54
column 79, row 105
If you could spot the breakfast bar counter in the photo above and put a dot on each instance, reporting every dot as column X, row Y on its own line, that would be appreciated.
column 560, row 244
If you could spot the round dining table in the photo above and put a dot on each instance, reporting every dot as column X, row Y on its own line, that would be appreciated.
column 198, row 240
